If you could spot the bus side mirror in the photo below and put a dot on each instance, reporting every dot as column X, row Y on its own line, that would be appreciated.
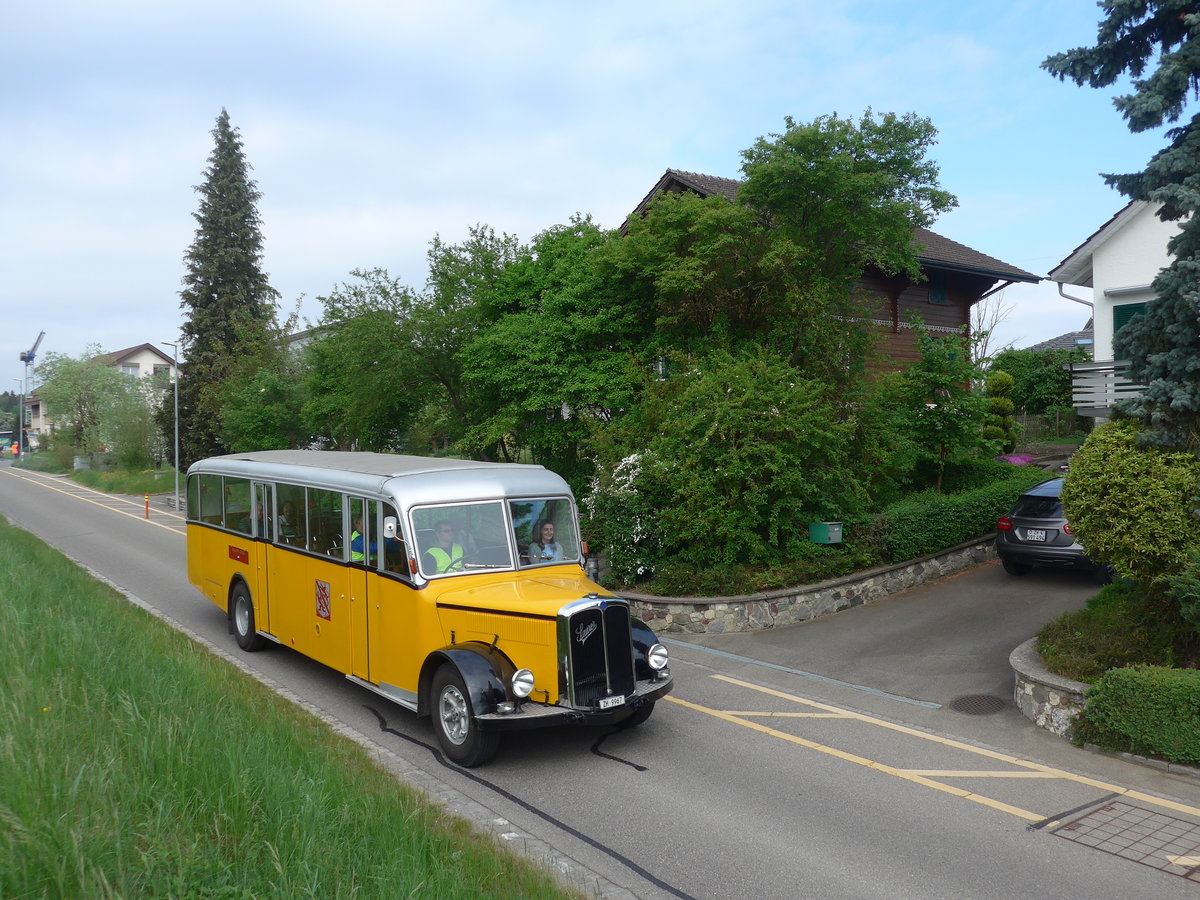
column 389, row 527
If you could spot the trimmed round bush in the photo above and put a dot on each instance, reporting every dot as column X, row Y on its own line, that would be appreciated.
column 1131, row 506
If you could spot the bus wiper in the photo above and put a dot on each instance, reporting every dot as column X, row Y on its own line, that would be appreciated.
column 485, row 566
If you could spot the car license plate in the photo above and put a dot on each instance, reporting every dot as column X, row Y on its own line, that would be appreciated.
column 610, row 702
column 1035, row 534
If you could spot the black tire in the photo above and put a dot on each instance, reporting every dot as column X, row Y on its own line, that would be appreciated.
column 1105, row 574
column 1016, row 568
column 241, row 619
column 640, row 716
column 454, row 721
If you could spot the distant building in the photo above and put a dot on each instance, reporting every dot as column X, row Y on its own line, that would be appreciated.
column 142, row 361
column 1084, row 339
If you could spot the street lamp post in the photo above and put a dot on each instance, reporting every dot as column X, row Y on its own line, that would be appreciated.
column 20, row 416
column 175, row 378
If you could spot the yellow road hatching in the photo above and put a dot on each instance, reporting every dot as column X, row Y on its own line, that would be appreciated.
column 924, row 777
column 77, row 491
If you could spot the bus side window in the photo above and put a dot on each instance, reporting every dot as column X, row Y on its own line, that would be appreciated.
column 325, row 521
column 395, row 554
column 237, row 504
column 209, row 494
column 291, row 526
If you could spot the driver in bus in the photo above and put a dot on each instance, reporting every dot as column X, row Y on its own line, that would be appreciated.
column 447, row 555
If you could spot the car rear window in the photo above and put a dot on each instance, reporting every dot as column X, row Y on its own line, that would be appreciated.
column 1039, row 507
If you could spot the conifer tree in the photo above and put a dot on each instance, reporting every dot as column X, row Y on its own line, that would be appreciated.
column 1162, row 345
column 229, row 328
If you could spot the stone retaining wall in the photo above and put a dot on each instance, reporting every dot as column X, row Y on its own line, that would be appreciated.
column 1051, row 701
column 787, row 606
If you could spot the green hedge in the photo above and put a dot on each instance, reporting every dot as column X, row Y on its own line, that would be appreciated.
column 929, row 522
column 1148, row 710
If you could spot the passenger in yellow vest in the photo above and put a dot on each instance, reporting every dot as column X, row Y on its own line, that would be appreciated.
column 356, row 541
column 357, row 552
column 447, row 556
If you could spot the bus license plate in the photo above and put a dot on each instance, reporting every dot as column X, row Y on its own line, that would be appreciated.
column 610, row 702
column 1035, row 534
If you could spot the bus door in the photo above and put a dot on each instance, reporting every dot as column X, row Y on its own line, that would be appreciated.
column 264, row 558
column 394, row 633
column 364, row 558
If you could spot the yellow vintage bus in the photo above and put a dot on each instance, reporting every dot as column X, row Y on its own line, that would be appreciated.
column 452, row 587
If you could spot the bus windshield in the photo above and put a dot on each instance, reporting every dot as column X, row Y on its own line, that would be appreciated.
column 462, row 537
column 545, row 531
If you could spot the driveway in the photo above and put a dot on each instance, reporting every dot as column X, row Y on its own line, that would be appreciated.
column 912, row 655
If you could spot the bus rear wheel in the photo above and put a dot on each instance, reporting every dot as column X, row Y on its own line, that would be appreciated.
column 454, row 722
column 241, row 616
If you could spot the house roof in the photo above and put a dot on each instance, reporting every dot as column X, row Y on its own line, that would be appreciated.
column 1077, row 267
column 936, row 252
column 1069, row 341
column 118, row 356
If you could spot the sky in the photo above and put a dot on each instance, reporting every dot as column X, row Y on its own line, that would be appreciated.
column 372, row 126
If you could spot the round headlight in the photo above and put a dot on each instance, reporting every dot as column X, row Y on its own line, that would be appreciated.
column 522, row 683
column 657, row 657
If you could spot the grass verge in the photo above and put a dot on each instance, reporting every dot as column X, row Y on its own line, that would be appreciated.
column 136, row 764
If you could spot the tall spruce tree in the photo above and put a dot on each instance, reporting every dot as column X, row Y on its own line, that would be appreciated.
column 230, row 323
column 1163, row 345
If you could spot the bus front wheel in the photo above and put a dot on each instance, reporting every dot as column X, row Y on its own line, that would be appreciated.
column 454, row 721
column 241, row 614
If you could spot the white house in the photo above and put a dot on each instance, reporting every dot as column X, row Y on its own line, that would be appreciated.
column 1117, row 263
column 141, row 361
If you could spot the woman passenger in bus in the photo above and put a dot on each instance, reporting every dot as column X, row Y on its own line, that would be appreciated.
column 544, row 548
column 286, row 527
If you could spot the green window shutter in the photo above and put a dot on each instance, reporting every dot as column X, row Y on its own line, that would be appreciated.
column 1122, row 314
column 937, row 289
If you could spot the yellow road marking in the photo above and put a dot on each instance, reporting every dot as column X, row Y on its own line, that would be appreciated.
column 174, row 529
column 919, row 776
column 863, row 761
column 977, row 773
column 785, row 715
column 1185, row 860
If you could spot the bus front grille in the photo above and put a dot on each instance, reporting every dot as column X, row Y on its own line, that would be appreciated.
column 596, row 650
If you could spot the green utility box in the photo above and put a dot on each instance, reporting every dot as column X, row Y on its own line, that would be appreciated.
column 825, row 532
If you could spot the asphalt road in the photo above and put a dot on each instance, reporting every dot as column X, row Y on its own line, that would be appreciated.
column 822, row 760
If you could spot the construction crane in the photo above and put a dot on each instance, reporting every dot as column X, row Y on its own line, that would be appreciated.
column 27, row 357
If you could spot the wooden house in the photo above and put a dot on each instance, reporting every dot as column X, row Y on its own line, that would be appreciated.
column 955, row 276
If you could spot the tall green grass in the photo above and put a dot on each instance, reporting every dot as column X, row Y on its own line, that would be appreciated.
column 124, row 481
column 134, row 764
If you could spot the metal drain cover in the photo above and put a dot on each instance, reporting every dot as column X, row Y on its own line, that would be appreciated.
column 978, row 704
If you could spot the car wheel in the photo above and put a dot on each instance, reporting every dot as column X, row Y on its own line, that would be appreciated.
column 1105, row 574
column 241, row 616
column 640, row 716
column 454, row 721
column 1016, row 568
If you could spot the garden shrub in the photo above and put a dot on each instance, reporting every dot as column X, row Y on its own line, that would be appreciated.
column 1000, row 425
column 1131, row 506
column 1149, row 710
column 1122, row 625
column 722, row 465
column 930, row 521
